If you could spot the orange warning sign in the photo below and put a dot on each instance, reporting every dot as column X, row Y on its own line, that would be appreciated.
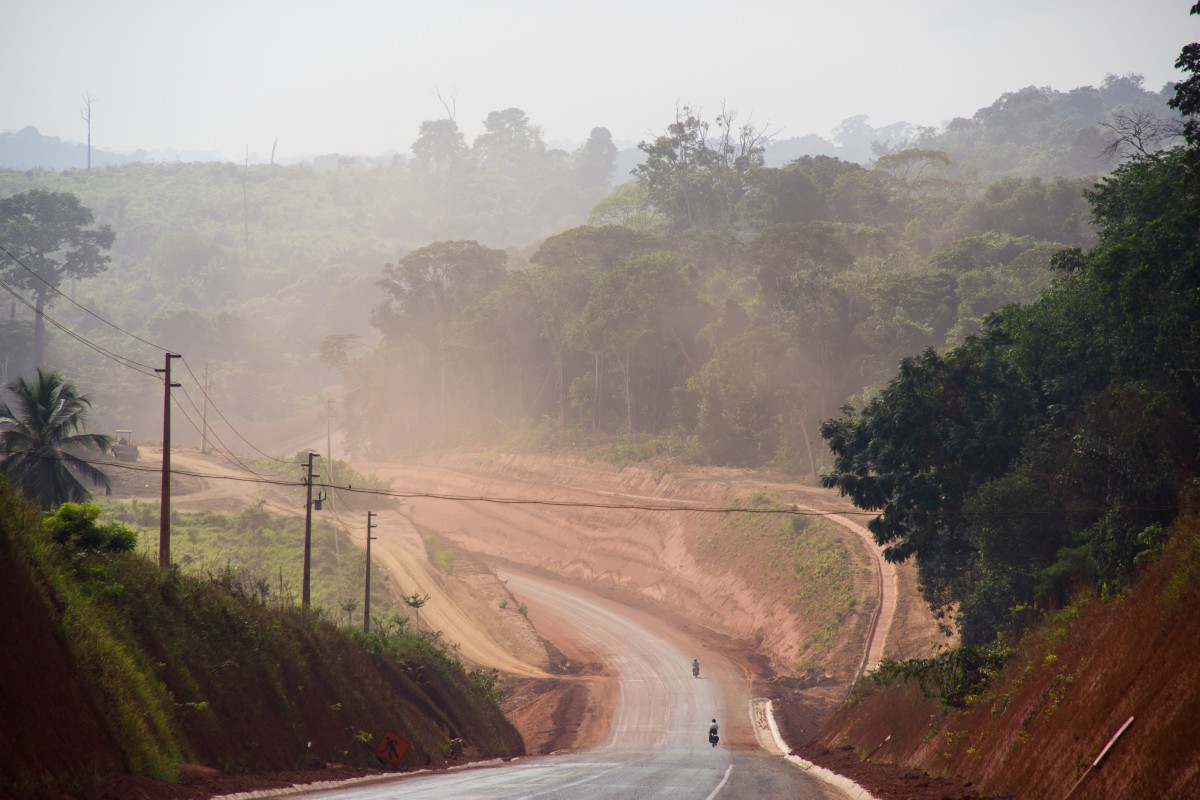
column 391, row 748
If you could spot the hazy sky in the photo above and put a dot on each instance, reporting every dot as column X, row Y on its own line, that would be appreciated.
column 358, row 77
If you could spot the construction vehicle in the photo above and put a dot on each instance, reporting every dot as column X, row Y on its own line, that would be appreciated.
column 124, row 448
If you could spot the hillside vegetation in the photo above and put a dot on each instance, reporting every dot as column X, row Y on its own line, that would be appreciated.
column 117, row 666
column 263, row 553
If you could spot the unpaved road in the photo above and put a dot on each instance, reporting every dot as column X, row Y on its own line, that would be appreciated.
column 645, row 554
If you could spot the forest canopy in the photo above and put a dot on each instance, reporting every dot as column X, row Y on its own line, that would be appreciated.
column 1051, row 450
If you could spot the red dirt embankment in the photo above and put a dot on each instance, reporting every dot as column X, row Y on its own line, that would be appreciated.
column 651, row 557
column 75, row 742
column 1071, row 685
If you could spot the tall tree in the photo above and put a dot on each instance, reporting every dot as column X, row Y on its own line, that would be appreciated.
column 439, row 146
column 39, row 437
column 509, row 140
column 48, row 237
column 596, row 159
column 427, row 291
column 1186, row 99
column 631, row 305
column 696, row 181
column 1056, row 446
column 566, row 268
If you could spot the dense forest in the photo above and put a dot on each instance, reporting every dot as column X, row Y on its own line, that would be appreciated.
column 1051, row 451
column 822, row 267
column 707, row 306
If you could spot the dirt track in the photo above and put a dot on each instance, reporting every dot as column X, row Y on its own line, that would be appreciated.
column 643, row 554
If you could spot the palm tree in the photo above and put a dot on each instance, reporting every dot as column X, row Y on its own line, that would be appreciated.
column 38, row 439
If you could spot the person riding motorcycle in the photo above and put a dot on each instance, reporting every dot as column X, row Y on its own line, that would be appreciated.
column 695, row 668
column 713, row 738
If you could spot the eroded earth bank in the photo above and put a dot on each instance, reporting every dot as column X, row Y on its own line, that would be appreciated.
column 790, row 587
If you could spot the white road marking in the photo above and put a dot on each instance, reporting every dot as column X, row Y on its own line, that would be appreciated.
column 721, row 785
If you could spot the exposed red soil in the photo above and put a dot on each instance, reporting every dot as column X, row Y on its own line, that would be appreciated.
column 646, row 555
column 1066, row 692
column 45, row 741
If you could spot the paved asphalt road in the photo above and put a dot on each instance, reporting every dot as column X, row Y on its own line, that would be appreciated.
column 658, row 745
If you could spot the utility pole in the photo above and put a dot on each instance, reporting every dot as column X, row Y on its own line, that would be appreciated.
column 306, row 594
column 204, row 416
column 329, row 445
column 367, row 598
column 164, row 509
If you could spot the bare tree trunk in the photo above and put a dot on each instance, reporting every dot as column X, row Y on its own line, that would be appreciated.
column 812, row 460
column 624, row 363
column 86, row 114
column 596, row 396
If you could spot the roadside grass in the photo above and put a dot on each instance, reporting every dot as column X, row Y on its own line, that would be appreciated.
column 547, row 436
column 799, row 558
column 442, row 554
column 198, row 664
column 264, row 554
column 123, row 683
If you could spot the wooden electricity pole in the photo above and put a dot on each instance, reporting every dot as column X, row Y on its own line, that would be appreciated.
column 367, row 598
column 329, row 445
column 164, row 509
column 204, row 416
column 305, row 593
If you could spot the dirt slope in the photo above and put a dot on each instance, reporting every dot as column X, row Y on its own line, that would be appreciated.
column 466, row 596
column 1069, row 688
column 644, row 554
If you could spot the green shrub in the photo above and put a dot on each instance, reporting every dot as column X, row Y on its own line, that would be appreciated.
column 75, row 526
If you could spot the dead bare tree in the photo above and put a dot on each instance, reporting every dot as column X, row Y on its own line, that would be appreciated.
column 1139, row 134
column 86, row 114
column 451, row 107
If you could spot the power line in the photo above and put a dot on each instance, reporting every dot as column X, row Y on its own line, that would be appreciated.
column 228, row 453
column 204, row 391
column 85, row 309
column 115, row 356
column 125, row 361
column 792, row 510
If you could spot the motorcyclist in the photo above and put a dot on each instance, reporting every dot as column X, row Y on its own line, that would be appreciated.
column 695, row 668
column 713, row 738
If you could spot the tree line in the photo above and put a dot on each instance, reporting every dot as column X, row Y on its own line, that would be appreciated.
column 717, row 308
column 250, row 266
column 1050, row 451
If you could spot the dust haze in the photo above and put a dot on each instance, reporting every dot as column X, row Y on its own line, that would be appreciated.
column 552, row 225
